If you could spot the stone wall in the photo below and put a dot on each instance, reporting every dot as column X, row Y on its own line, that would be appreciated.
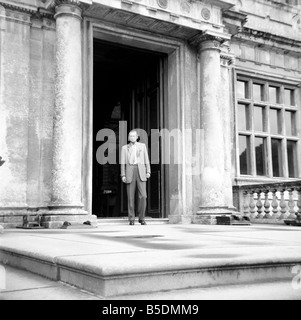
column 26, row 107
column 268, row 48
column 15, row 96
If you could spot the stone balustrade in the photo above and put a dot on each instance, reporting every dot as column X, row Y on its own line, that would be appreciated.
column 269, row 203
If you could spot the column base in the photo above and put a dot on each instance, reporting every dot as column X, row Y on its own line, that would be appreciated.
column 57, row 221
column 55, row 217
column 208, row 215
column 180, row 219
column 51, row 219
column 13, row 217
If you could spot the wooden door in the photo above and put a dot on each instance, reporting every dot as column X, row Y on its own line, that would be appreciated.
column 145, row 113
column 153, row 121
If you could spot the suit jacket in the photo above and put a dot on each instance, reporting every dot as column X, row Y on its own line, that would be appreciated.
column 142, row 159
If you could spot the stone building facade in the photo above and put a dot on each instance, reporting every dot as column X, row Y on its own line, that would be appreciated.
column 69, row 68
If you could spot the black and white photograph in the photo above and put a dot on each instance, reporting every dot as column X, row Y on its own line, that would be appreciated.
column 150, row 153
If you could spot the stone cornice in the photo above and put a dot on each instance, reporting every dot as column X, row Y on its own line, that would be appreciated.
column 269, row 39
column 223, row 4
column 27, row 9
column 234, row 20
column 18, row 7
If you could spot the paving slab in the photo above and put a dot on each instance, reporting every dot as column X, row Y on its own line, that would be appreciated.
column 118, row 260
column 22, row 285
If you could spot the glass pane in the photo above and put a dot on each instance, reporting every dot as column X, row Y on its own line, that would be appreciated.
column 244, row 153
column 289, row 97
column 274, row 121
column 258, row 92
column 292, row 160
column 243, row 117
column 258, row 119
column 260, row 151
column 290, row 123
column 274, row 95
column 276, row 157
column 242, row 90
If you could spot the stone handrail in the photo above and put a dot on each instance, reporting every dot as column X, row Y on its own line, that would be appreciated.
column 269, row 203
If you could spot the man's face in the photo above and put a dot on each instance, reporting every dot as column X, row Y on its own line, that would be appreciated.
column 133, row 136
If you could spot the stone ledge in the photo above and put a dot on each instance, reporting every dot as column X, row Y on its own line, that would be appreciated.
column 118, row 260
column 108, row 279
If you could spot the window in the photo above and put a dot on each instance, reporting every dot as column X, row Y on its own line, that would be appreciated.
column 276, row 158
column 260, row 152
column 259, row 124
column 274, row 96
column 267, row 123
column 242, row 89
column 275, row 121
column 292, row 158
column 244, row 147
column 290, row 123
column 289, row 97
column 258, row 92
column 243, row 117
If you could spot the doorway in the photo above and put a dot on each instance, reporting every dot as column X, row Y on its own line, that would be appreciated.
column 128, row 85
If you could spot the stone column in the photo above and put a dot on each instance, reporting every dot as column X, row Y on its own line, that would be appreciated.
column 66, row 198
column 212, row 199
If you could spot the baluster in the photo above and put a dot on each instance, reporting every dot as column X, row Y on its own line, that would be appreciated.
column 267, row 205
column 259, row 205
column 252, row 206
column 275, row 205
column 246, row 205
column 291, row 205
column 299, row 206
column 283, row 206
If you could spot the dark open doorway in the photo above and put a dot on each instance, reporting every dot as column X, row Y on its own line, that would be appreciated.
column 128, row 86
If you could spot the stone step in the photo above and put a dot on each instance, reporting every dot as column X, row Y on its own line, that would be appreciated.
column 125, row 221
column 148, row 274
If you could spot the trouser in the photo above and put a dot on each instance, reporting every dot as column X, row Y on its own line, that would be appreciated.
column 131, row 192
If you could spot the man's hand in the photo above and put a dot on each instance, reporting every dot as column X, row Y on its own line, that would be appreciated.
column 124, row 179
column 148, row 175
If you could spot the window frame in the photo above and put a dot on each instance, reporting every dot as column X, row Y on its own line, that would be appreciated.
column 266, row 133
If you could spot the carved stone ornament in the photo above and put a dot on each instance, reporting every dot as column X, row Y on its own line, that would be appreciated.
column 185, row 6
column 206, row 13
column 163, row 3
column 206, row 41
column 54, row 3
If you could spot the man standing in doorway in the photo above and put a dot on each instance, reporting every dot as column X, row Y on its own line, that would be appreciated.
column 135, row 170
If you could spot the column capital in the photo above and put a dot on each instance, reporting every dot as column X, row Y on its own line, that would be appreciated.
column 67, row 8
column 55, row 3
column 209, row 40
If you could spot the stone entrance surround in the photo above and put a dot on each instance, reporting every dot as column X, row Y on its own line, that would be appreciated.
column 195, row 37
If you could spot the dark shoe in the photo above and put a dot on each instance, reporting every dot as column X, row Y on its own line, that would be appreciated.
column 143, row 223
column 132, row 223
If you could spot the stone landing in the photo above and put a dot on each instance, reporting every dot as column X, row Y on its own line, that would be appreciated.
column 119, row 260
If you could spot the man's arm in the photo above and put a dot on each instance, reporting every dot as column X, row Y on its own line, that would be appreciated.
column 123, row 161
column 146, row 161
